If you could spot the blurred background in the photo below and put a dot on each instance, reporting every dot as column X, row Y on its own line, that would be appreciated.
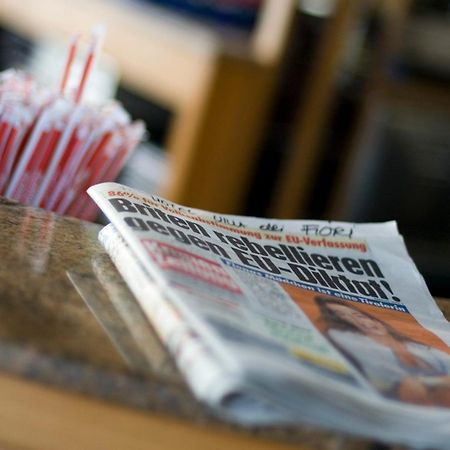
column 324, row 109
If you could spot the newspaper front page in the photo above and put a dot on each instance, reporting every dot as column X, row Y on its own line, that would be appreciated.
column 273, row 321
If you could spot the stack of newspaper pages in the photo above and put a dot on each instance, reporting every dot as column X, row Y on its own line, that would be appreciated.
column 276, row 321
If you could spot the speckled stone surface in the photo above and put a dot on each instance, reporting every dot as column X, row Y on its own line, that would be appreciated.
column 60, row 324
column 67, row 319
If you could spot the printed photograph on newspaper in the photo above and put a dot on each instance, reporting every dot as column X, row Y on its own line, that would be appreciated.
column 400, row 358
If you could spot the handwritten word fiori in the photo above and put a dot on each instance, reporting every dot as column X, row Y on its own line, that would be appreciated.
column 325, row 230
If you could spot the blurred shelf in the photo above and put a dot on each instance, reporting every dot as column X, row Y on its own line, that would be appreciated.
column 218, row 83
column 417, row 91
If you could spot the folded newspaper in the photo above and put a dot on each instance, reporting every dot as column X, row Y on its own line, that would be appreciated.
column 286, row 321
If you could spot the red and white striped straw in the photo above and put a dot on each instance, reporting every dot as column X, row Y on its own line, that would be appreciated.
column 71, row 52
column 94, row 48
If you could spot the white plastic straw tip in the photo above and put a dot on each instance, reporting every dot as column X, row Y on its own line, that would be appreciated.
column 74, row 38
column 98, row 32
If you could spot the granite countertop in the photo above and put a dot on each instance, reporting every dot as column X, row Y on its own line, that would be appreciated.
column 69, row 320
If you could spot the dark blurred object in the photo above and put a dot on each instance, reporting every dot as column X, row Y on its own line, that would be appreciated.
column 236, row 13
column 326, row 67
column 430, row 7
column 407, row 177
column 15, row 50
column 306, row 31
column 427, row 39
column 157, row 118
column 297, row 65
column 398, row 166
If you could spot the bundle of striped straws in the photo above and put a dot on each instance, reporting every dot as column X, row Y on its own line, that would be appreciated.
column 53, row 146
